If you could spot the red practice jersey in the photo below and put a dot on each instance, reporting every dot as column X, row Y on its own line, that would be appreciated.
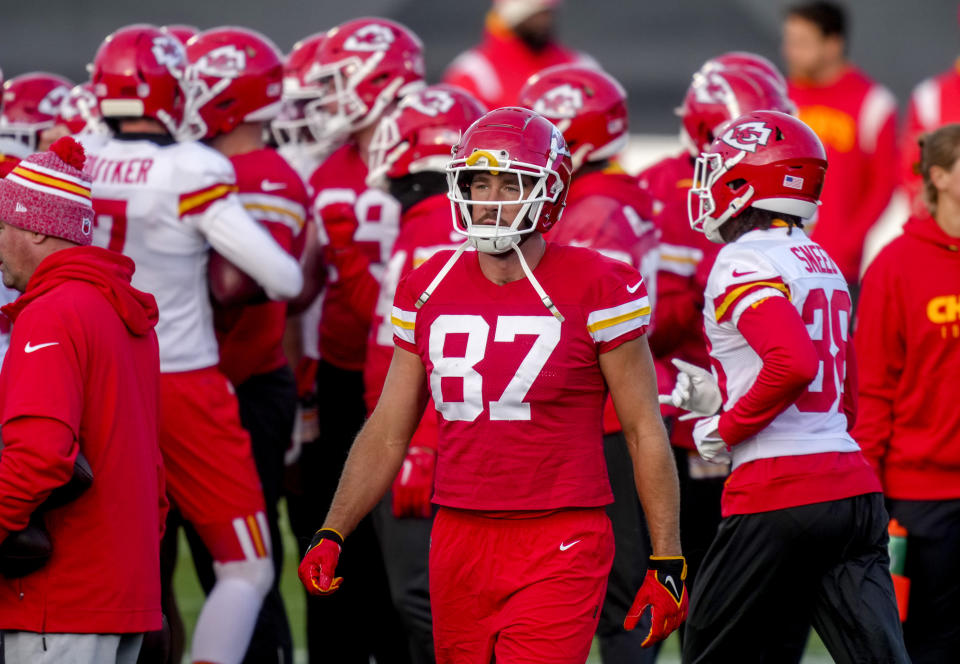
column 352, row 287
column 425, row 229
column 856, row 119
column 519, row 393
column 607, row 211
column 251, row 337
column 683, row 264
column 933, row 103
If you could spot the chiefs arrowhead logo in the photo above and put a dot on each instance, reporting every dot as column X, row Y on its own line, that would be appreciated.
column 429, row 102
column 223, row 62
column 563, row 101
column 747, row 136
column 50, row 104
column 168, row 51
column 369, row 38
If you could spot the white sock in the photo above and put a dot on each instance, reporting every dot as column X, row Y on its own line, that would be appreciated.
column 226, row 622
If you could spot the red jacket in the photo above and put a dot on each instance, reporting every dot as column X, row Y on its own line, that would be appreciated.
column 82, row 373
column 495, row 71
column 857, row 121
column 907, row 332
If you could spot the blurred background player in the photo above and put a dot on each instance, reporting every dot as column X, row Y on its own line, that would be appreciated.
column 933, row 103
column 520, row 549
column 233, row 82
column 408, row 157
column 165, row 204
column 855, row 118
column 30, row 105
column 607, row 211
column 519, row 39
column 725, row 86
column 804, row 529
column 359, row 71
column 77, row 115
column 909, row 427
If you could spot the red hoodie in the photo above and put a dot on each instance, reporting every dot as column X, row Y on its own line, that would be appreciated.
column 906, row 336
column 82, row 374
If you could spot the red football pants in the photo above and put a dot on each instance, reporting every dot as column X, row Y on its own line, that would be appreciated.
column 518, row 590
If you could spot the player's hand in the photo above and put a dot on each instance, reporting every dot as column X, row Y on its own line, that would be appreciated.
column 319, row 565
column 665, row 594
column 338, row 225
column 413, row 485
column 696, row 390
column 709, row 443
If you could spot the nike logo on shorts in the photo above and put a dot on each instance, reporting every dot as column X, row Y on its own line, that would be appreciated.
column 633, row 289
column 30, row 349
column 564, row 546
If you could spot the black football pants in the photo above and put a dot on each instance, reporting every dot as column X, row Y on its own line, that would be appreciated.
column 768, row 573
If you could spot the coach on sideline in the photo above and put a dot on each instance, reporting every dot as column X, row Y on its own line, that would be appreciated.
column 81, row 375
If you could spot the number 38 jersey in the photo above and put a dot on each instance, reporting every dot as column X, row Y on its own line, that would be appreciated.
column 777, row 263
column 519, row 393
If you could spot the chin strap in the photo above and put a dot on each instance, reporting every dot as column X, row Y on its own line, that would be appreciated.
column 547, row 302
column 422, row 300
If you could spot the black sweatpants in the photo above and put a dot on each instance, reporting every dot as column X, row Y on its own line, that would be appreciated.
column 932, row 629
column 363, row 602
column 267, row 408
column 769, row 572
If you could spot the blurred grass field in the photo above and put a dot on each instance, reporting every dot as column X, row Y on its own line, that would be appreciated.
column 190, row 599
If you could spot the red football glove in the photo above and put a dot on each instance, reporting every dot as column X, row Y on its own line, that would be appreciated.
column 414, row 484
column 339, row 222
column 319, row 564
column 665, row 593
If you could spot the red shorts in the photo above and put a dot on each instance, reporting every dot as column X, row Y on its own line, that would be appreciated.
column 518, row 590
column 211, row 477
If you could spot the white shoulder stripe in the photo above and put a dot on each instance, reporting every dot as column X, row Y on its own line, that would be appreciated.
column 606, row 324
column 404, row 324
column 478, row 68
column 926, row 101
column 878, row 105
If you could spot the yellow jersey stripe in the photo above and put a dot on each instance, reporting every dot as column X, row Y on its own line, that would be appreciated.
column 737, row 292
column 204, row 197
column 616, row 320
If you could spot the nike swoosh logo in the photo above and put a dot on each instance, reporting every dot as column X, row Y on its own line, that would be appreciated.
column 266, row 185
column 564, row 546
column 29, row 349
column 633, row 289
column 673, row 583
column 743, row 274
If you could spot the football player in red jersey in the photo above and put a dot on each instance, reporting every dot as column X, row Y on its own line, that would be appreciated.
column 516, row 343
column 233, row 81
column 408, row 155
column 716, row 95
column 804, row 528
column 30, row 104
column 358, row 72
column 165, row 203
column 606, row 211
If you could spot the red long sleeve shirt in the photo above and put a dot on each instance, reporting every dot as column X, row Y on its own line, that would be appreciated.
column 907, row 332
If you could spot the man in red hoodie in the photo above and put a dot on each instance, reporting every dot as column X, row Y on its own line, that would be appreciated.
column 82, row 375
column 909, row 424
column 518, row 41
column 855, row 118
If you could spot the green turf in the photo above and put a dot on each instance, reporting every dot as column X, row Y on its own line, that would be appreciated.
column 190, row 600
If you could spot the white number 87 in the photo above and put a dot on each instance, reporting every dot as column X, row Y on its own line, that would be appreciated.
column 510, row 405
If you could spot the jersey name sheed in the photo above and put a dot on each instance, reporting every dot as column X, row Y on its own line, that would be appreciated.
column 519, row 393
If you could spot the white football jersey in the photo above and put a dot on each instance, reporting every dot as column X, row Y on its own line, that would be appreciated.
column 777, row 263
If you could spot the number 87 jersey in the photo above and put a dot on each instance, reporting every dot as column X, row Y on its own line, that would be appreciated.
column 780, row 263
column 519, row 393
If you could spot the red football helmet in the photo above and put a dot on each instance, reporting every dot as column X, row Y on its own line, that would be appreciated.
column 183, row 33
column 79, row 112
column 294, row 127
column 137, row 73
column 750, row 62
column 517, row 141
column 421, row 132
column 359, row 69
column 718, row 96
column 588, row 105
column 765, row 159
column 30, row 104
column 234, row 75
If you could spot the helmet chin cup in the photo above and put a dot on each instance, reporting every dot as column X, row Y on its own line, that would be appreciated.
column 493, row 239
